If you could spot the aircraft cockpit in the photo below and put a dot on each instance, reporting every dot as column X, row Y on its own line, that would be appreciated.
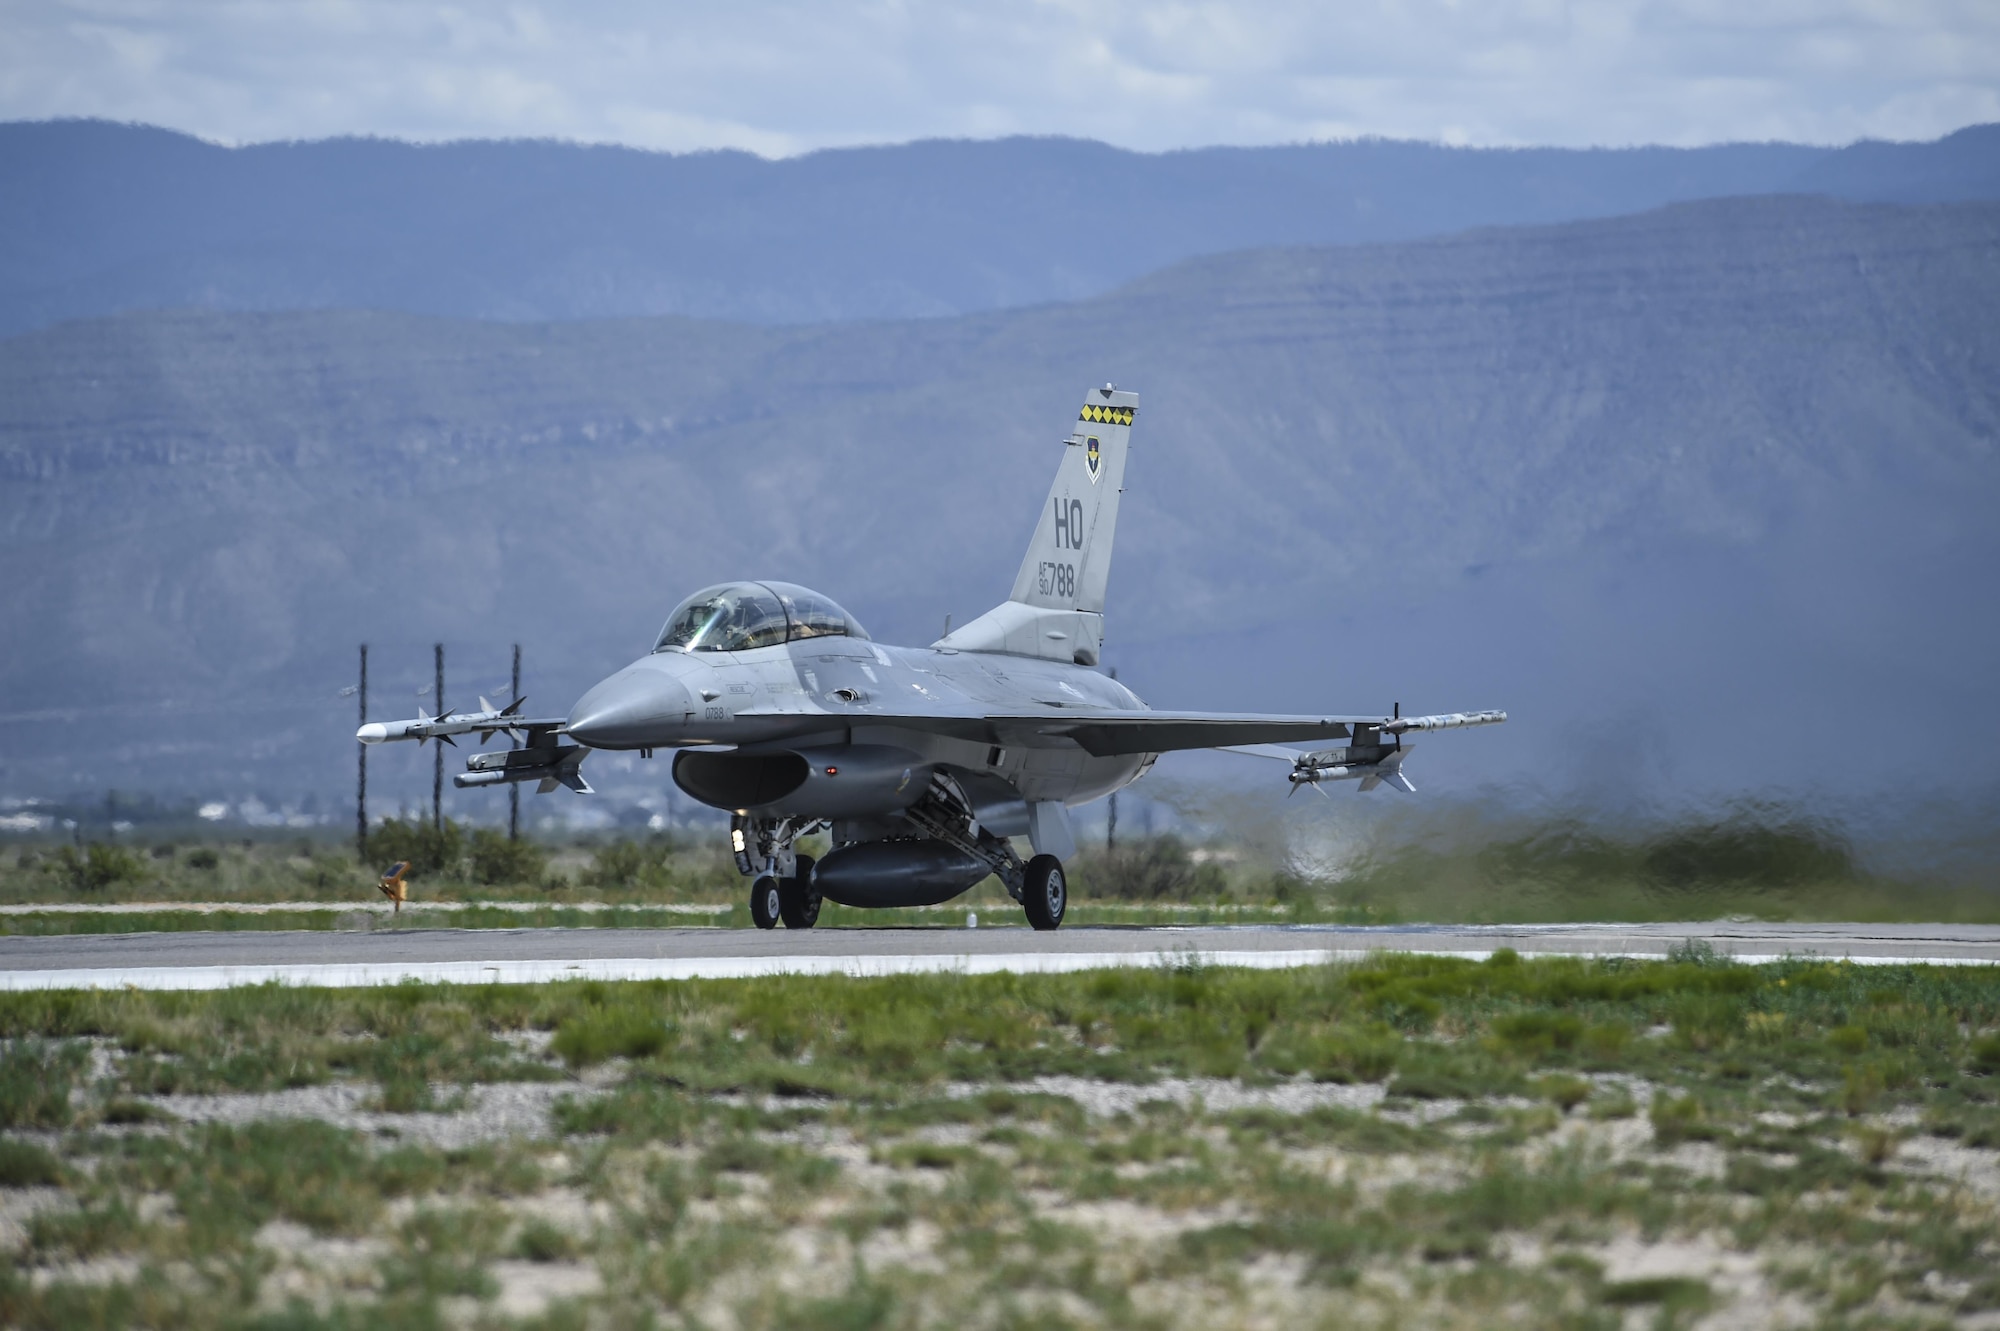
column 740, row 616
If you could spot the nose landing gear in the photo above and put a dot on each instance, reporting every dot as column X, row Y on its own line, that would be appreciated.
column 783, row 890
column 1044, row 892
column 766, row 901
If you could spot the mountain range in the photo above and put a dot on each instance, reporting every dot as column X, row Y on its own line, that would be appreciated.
column 99, row 218
column 1703, row 495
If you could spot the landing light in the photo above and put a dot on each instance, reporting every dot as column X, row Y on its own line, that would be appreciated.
column 736, row 842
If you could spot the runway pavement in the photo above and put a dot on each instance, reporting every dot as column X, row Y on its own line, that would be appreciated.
column 198, row 960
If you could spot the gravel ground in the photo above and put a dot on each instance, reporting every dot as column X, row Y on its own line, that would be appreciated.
column 488, row 1113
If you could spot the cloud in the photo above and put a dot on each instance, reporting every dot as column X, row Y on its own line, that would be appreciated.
column 779, row 77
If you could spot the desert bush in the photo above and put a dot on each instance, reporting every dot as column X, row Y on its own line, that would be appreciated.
column 1156, row 869
column 630, row 864
column 495, row 859
column 96, row 866
column 1746, row 853
column 430, row 851
column 26, row 1165
column 35, row 1081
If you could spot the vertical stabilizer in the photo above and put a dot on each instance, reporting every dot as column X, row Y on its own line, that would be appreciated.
column 1069, row 561
column 1056, row 610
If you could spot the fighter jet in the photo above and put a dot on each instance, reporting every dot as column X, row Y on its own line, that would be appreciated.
column 921, row 764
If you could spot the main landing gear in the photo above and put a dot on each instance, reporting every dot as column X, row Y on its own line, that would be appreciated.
column 789, row 898
column 1044, row 892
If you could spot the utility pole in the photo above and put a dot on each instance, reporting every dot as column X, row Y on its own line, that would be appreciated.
column 1111, row 824
column 361, row 779
column 514, row 742
column 437, row 749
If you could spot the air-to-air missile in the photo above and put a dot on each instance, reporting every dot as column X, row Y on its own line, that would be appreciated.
column 1372, row 762
column 488, row 721
column 540, row 758
column 549, row 763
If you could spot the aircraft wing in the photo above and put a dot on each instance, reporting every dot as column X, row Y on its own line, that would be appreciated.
column 1103, row 734
column 1106, row 732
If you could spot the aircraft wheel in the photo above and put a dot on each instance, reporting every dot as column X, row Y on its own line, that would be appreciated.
column 798, row 900
column 1045, row 894
column 766, row 897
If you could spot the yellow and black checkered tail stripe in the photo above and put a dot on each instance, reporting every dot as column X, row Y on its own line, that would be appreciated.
column 1108, row 415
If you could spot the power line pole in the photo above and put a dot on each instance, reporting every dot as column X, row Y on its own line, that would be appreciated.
column 361, row 779
column 437, row 749
column 514, row 742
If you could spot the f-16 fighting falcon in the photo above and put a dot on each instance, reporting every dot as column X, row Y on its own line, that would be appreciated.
column 921, row 764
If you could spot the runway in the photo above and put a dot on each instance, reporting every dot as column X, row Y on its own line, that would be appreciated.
column 198, row 960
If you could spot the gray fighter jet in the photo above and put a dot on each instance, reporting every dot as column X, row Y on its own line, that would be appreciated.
column 922, row 764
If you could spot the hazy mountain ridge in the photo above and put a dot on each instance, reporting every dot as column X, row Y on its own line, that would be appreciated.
column 97, row 218
column 1723, row 459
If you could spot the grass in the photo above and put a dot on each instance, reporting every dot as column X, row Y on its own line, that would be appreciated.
column 1440, row 1142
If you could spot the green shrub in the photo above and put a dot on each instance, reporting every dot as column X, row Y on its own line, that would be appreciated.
column 1672, row 1293
column 26, row 1165
column 1538, row 1032
column 632, row 864
column 1156, row 869
column 539, row 1241
column 1747, row 852
column 1679, row 1118
column 203, row 857
column 1849, row 1040
column 428, row 850
column 96, row 867
column 35, row 1080
column 1986, row 1055
column 496, row 860
column 595, row 1036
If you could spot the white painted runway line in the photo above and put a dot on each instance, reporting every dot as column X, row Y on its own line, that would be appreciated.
column 349, row 975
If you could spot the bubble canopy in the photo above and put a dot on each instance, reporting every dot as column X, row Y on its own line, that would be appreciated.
column 739, row 616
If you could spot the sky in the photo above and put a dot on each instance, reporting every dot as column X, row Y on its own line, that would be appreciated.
column 780, row 78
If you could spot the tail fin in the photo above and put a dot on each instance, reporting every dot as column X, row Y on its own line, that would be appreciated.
column 1069, row 561
column 1056, row 610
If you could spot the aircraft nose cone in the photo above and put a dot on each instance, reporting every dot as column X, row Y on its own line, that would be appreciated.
column 634, row 709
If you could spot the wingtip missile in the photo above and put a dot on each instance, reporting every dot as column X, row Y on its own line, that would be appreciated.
column 487, row 722
column 1446, row 721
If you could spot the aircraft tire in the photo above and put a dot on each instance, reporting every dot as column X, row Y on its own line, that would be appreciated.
column 766, row 895
column 798, row 902
column 1045, row 892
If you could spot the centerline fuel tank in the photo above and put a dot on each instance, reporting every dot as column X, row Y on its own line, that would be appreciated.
column 896, row 873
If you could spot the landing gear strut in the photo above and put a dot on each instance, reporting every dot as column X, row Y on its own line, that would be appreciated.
column 1044, row 892
column 798, row 900
column 783, row 889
